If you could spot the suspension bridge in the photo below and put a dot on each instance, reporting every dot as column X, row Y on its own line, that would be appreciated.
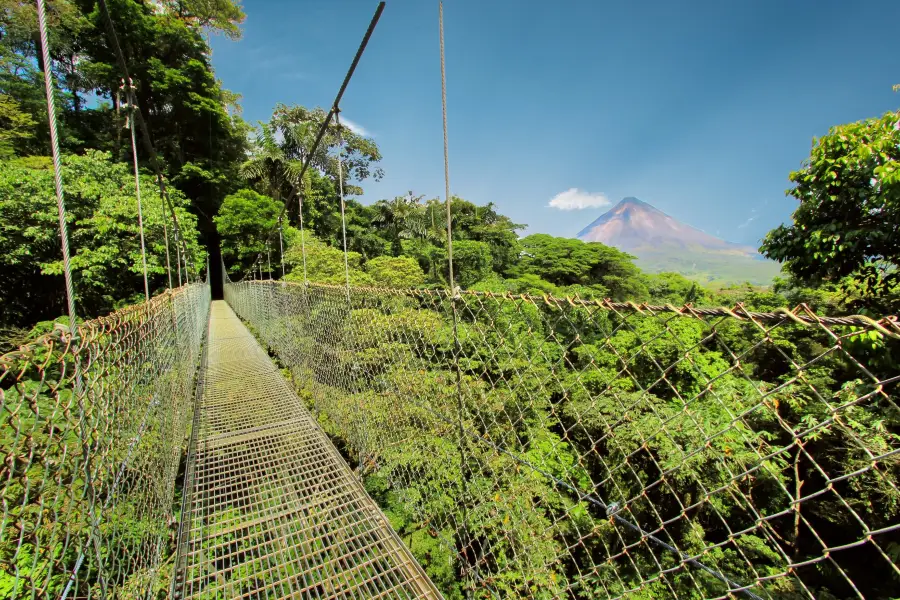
column 303, row 440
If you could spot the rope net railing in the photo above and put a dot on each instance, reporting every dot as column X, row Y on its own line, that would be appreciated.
column 562, row 448
column 93, row 426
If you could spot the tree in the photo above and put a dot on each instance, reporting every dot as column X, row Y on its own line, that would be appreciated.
column 199, row 141
column 846, row 229
column 401, row 219
column 396, row 272
column 566, row 261
column 673, row 288
column 299, row 126
column 284, row 143
column 219, row 16
column 16, row 126
column 485, row 224
column 471, row 262
column 323, row 263
column 269, row 165
column 21, row 69
column 244, row 222
column 103, row 235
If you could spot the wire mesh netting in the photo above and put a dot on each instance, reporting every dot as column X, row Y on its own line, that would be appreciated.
column 537, row 447
column 272, row 510
column 93, row 427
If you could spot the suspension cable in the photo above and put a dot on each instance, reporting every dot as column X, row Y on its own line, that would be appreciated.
column 57, row 165
column 454, row 299
column 178, row 255
column 133, row 102
column 302, row 236
column 129, row 124
column 325, row 123
column 147, row 141
column 337, row 116
column 446, row 151
column 281, row 248
column 166, row 240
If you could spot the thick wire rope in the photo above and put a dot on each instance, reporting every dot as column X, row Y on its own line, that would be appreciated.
column 57, row 165
column 129, row 94
column 362, row 438
column 337, row 117
column 70, row 289
column 302, row 235
column 162, row 202
column 281, row 248
column 610, row 509
column 166, row 240
column 323, row 128
column 446, row 152
column 178, row 255
column 147, row 141
column 455, row 297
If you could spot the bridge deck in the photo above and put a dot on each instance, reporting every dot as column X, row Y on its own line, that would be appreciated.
column 273, row 510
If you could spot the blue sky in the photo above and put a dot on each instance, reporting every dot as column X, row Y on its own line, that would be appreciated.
column 700, row 108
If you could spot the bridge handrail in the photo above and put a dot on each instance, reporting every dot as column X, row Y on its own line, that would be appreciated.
column 91, row 427
column 574, row 447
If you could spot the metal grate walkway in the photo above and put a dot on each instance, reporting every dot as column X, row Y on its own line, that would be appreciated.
column 273, row 511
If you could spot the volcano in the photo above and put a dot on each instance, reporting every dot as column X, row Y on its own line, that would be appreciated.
column 662, row 243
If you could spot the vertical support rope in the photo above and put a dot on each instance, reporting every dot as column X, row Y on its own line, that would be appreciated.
column 281, row 248
column 446, row 152
column 454, row 298
column 269, row 259
column 361, row 439
column 70, row 293
column 178, row 255
column 185, row 256
column 337, row 117
column 148, row 144
column 302, row 235
column 129, row 91
column 166, row 239
column 57, row 165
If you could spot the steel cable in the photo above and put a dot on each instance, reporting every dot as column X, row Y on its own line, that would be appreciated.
column 57, row 163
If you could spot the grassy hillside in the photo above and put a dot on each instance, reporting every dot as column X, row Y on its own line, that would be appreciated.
column 708, row 267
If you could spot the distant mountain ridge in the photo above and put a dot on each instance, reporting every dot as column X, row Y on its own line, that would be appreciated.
column 663, row 243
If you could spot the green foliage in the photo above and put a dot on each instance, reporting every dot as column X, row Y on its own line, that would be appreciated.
column 281, row 146
column 471, row 262
column 199, row 141
column 16, row 126
column 845, row 228
column 243, row 223
column 396, row 272
column 485, row 224
column 673, row 288
column 219, row 16
column 652, row 412
column 566, row 261
column 103, row 235
column 401, row 218
column 323, row 263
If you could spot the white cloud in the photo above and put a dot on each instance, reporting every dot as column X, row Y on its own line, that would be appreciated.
column 749, row 220
column 575, row 199
column 355, row 127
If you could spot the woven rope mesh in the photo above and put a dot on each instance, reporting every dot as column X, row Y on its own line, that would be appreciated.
column 91, row 432
column 528, row 447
